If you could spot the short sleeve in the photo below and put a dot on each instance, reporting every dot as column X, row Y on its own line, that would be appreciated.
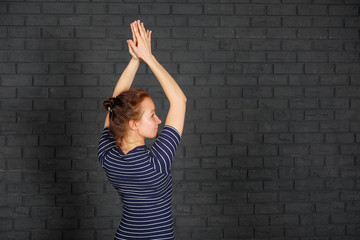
column 106, row 143
column 163, row 150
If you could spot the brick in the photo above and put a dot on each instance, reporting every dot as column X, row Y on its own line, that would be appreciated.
column 315, row 219
column 23, row 224
column 54, row 33
column 204, row 20
column 278, row 138
column 337, row 184
column 281, row 68
column 250, row 56
column 90, row 32
column 250, row 9
column 74, row 21
column 254, row 162
column 282, row 33
column 187, row 9
column 215, row 162
column 288, row 92
column 154, row 9
column 93, row 8
column 58, row 8
column 334, row 126
column 299, row 208
column 181, row 32
column 226, row 174
column 343, row 10
column 61, row 223
column 234, row 21
column 264, row 150
column 307, row 230
column 309, row 138
column 334, row 230
column 352, row 21
column 312, row 10
column 231, row 197
column 221, row 9
column 6, row 116
column 107, row 21
column 89, row 234
column 328, row 45
column 342, row 57
column 346, row 68
column 262, row 197
column 267, row 21
column 10, row 200
column 13, row 20
column 284, row 219
column 269, row 231
column 207, row 233
column 123, row 8
column 172, row 20
column 254, row 186
column 39, row 44
column 273, row 103
column 281, row 9
column 281, row 185
column 328, row 21
column 228, row 150
column 14, row 44
column 294, row 149
column 254, row 220
column 223, row 221
column 301, row 45
column 190, row 221
column 318, row 68
column 219, row 56
column 21, row 56
column 334, row 80
column 313, row 57
column 301, row 103
column 200, row 174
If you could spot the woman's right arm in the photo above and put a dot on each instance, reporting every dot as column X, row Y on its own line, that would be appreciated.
column 176, row 97
column 127, row 77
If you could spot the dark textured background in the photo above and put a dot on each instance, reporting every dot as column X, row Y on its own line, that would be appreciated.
column 271, row 143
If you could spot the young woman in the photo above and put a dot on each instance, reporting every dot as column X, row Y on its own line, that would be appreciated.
column 142, row 176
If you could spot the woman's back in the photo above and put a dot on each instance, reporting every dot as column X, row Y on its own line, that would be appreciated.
column 142, row 178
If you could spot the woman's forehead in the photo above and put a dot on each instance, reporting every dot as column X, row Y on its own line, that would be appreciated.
column 148, row 104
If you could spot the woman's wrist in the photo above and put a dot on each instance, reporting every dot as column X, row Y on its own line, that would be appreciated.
column 150, row 59
column 135, row 59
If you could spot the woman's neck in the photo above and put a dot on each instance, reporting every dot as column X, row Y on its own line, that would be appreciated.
column 129, row 144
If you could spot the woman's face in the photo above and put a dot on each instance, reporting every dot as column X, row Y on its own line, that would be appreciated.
column 148, row 124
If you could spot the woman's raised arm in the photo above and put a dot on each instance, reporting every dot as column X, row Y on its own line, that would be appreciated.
column 127, row 77
column 176, row 97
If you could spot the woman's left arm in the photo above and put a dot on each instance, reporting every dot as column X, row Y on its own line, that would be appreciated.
column 127, row 77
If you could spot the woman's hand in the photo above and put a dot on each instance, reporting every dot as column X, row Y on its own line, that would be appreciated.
column 140, row 46
column 132, row 25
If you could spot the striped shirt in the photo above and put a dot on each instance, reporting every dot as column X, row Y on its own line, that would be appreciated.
column 142, row 177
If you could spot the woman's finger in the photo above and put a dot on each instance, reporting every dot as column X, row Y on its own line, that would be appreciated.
column 136, row 30
column 131, row 51
column 142, row 29
column 149, row 37
column 133, row 32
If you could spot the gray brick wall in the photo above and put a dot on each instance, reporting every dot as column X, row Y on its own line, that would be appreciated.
column 271, row 141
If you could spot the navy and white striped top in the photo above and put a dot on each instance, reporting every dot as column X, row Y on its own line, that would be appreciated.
column 142, row 177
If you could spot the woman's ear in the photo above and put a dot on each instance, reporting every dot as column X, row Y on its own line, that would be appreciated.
column 133, row 124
